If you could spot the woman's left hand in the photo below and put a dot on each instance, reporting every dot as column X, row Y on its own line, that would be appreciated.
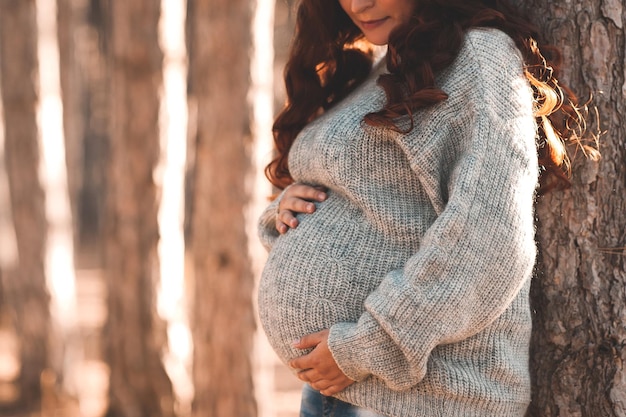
column 318, row 367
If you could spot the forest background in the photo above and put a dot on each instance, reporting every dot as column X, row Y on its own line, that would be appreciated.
column 132, row 143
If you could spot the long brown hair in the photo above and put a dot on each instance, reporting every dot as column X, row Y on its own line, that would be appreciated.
column 325, row 64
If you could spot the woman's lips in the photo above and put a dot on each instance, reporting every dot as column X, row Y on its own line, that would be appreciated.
column 373, row 24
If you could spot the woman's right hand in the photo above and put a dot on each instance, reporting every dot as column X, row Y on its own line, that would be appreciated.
column 297, row 198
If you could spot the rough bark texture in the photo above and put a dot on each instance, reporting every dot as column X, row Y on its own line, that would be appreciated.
column 25, row 286
column 579, row 294
column 223, row 323
column 139, row 385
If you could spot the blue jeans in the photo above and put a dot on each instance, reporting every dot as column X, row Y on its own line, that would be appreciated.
column 315, row 404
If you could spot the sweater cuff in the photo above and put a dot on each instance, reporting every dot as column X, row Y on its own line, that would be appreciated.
column 342, row 340
column 363, row 349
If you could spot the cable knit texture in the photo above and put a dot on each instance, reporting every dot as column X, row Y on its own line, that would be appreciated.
column 420, row 259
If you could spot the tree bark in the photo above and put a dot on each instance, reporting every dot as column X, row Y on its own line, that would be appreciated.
column 135, row 337
column 25, row 286
column 579, row 295
column 223, row 322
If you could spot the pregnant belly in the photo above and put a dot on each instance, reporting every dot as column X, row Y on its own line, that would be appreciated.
column 320, row 274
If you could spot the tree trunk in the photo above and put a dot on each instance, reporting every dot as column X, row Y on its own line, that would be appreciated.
column 135, row 337
column 25, row 286
column 85, row 101
column 223, row 321
column 579, row 295
column 72, row 86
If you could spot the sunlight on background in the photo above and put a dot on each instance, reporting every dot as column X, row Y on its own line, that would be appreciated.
column 9, row 346
column 171, row 172
column 85, row 379
column 53, row 173
column 92, row 375
column 262, row 99
column 59, row 257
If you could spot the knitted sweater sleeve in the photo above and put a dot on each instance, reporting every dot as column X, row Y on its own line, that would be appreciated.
column 479, row 252
column 266, row 227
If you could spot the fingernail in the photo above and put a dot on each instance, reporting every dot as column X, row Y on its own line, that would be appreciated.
column 310, row 207
column 321, row 196
column 295, row 342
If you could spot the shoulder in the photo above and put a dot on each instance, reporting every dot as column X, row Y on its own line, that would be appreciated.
column 488, row 50
column 486, row 42
column 485, row 52
column 489, row 69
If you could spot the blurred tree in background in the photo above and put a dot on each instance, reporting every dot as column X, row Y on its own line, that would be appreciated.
column 24, row 288
column 219, row 31
column 134, row 335
column 84, row 87
column 111, row 77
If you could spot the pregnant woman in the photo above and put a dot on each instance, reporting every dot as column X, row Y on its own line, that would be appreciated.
column 402, row 245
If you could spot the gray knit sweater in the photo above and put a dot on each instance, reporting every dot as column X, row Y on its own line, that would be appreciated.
column 420, row 259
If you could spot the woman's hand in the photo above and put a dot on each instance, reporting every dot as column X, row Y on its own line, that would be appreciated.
column 319, row 368
column 298, row 198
